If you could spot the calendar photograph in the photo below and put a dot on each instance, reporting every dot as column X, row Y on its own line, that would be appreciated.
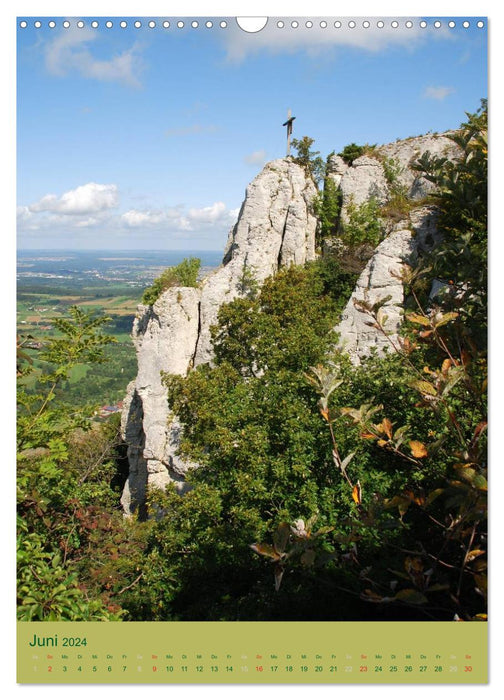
column 251, row 349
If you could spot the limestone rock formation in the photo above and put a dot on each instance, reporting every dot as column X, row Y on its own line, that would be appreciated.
column 404, row 152
column 275, row 228
column 381, row 280
column 367, row 177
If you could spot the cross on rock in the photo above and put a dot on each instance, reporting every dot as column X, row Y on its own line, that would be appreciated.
column 288, row 124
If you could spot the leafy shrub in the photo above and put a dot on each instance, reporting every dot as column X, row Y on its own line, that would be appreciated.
column 69, row 522
column 185, row 274
column 327, row 207
column 351, row 152
column 391, row 169
column 363, row 224
column 308, row 159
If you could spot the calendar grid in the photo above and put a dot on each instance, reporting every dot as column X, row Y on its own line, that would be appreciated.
column 241, row 652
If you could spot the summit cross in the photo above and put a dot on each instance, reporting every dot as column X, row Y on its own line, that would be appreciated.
column 288, row 124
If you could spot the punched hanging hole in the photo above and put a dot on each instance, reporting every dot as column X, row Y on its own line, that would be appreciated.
column 109, row 24
column 209, row 24
column 124, row 24
column 23, row 24
column 309, row 24
column 194, row 24
column 409, row 24
column 66, row 24
column 337, row 25
column 80, row 24
column 180, row 24
column 223, row 24
column 166, row 24
column 423, row 24
column 380, row 24
column 466, row 25
column 252, row 24
column 37, row 24
column 366, row 24
column 152, row 24
column 138, row 24
column 395, row 24
column 437, row 24
column 52, row 24
column 480, row 24
column 323, row 24
column 95, row 24
column 451, row 24
column 280, row 24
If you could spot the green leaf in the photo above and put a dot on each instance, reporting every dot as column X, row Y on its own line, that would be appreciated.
column 445, row 318
column 418, row 319
column 424, row 387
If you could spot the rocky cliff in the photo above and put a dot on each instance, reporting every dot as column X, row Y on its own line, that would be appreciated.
column 276, row 227
column 407, row 235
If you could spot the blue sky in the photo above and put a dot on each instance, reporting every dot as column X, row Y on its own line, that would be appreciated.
column 147, row 137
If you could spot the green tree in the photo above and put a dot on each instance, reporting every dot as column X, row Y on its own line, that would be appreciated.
column 66, row 486
column 351, row 152
column 185, row 274
column 327, row 206
column 310, row 160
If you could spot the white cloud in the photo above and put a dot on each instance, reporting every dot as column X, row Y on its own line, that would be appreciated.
column 207, row 215
column 256, row 158
column 87, row 215
column 68, row 52
column 135, row 217
column 438, row 93
column 176, row 219
column 315, row 40
column 86, row 199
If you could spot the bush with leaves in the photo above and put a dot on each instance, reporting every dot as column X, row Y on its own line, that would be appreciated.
column 308, row 159
column 185, row 274
column 437, row 564
column 363, row 224
column 352, row 151
column 67, row 491
column 252, row 423
column 327, row 207
column 460, row 262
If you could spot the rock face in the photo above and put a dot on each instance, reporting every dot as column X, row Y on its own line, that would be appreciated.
column 275, row 228
column 385, row 170
column 381, row 279
column 366, row 177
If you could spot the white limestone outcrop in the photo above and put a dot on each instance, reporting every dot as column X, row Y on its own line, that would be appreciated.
column 276, row 228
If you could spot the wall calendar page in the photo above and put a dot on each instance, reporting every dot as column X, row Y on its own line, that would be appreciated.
column 251, row 350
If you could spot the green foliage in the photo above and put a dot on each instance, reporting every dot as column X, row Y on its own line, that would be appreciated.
column 185, row 274
column 392, row 169
column 283, row 327
column 460, row 261
column 66, row 488
column 388, row 459
column 248, row 285
column 327, row 207
column 363, row 224
column 351, row 152
column 310, row 160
